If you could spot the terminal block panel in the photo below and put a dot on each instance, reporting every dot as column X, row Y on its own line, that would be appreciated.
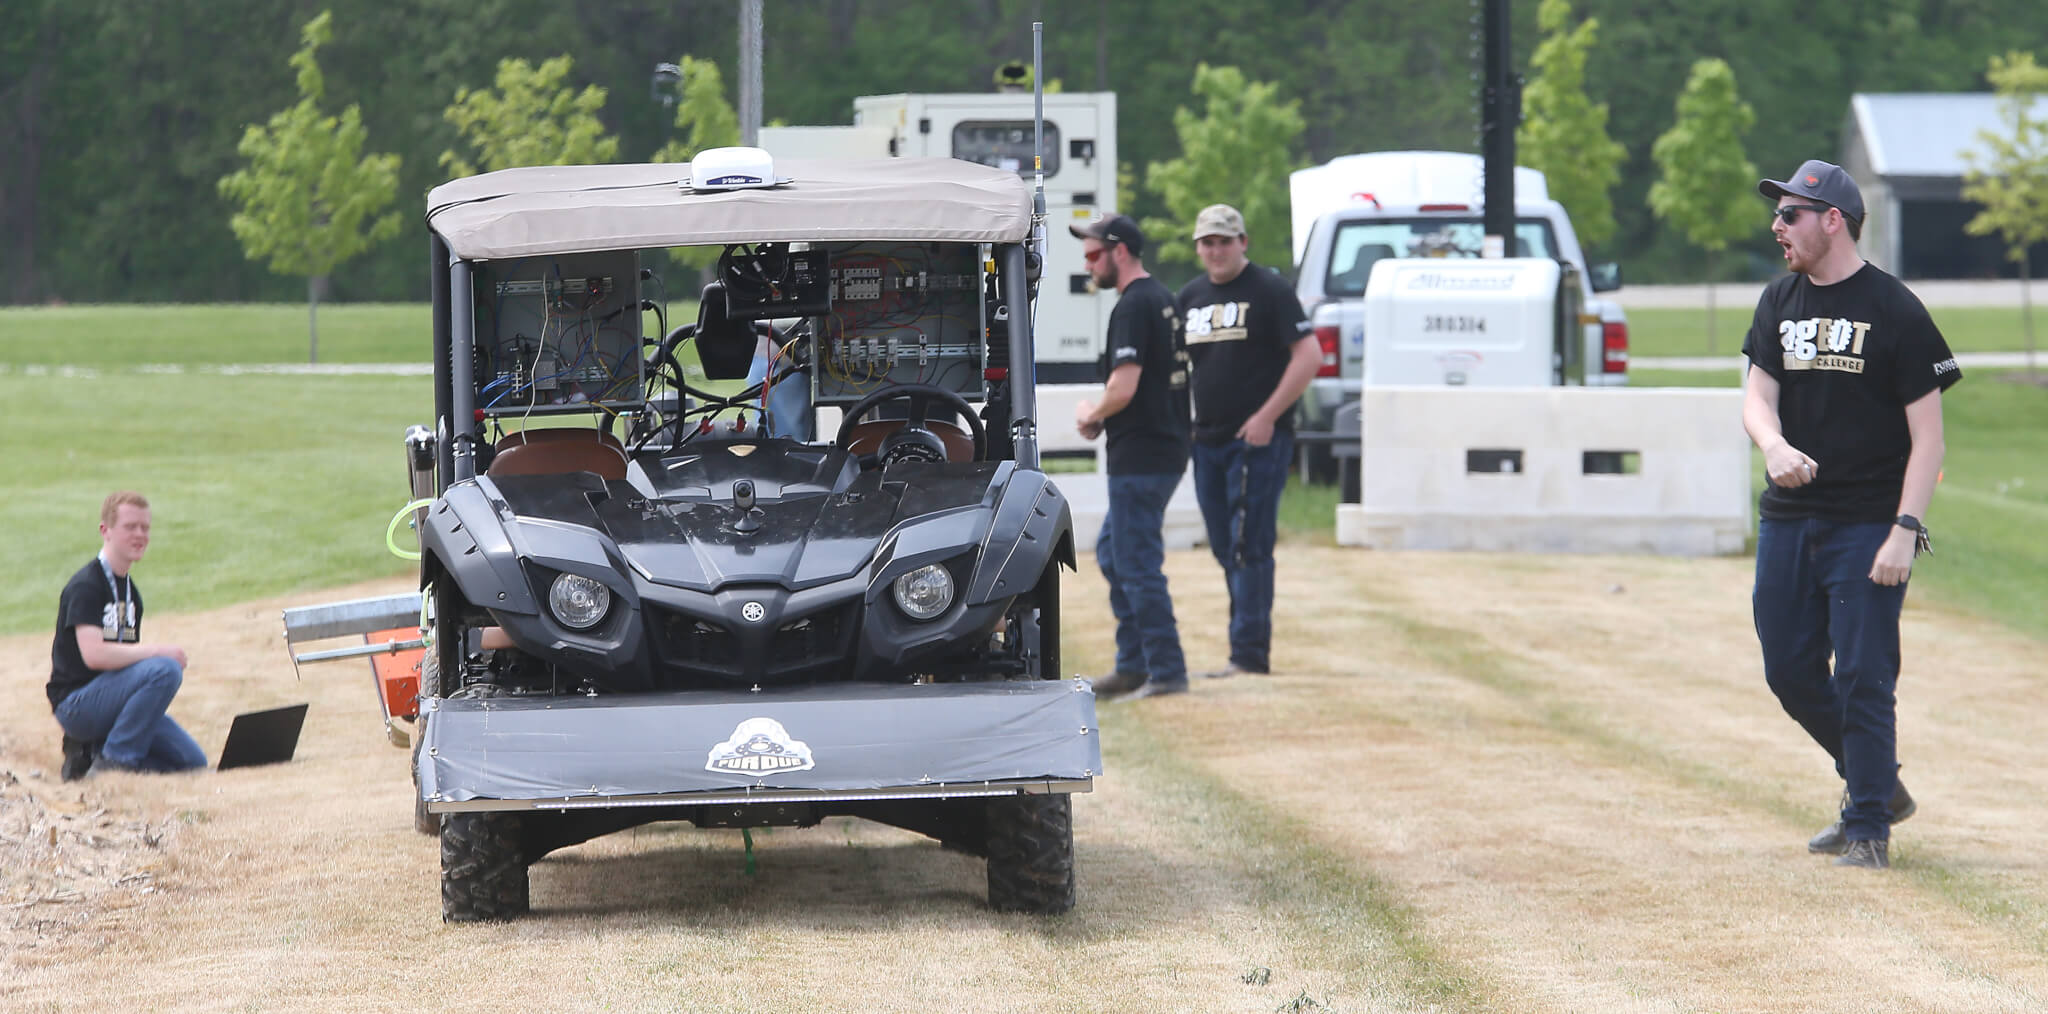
column 902, row 313
column 558, row 334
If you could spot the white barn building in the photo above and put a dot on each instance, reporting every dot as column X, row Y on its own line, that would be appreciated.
column 1906, row 152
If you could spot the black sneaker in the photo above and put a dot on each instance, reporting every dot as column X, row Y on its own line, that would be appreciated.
column 1830, row 840
column 1869, row 855
column 77, row 759
column 1116, row 684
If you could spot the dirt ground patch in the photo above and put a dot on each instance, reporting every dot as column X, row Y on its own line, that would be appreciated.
column 1476, row 783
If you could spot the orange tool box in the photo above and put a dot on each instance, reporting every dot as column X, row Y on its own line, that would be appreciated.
column 397, row 672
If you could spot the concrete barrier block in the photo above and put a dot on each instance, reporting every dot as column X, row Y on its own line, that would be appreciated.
column 1507, row 469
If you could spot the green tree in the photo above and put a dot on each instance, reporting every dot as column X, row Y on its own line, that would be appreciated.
column 532, row 118
column 309, row 198
column 2012, row 184
column 1238, row 151
column 704, row 119
column 1706, row 186
column 1564, row 133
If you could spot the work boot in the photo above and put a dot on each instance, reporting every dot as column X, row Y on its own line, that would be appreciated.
column 1155, row 688
column 1116, row 684
column 1869, row 855
column 1830, row 840
column 77, row 759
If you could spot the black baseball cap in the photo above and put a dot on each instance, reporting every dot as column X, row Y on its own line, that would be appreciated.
column 1113, row 229
column 1825, row 182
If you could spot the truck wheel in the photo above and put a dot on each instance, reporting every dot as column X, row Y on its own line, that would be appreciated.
column 483, row 870
column 1321, row 465
column 1031, row 854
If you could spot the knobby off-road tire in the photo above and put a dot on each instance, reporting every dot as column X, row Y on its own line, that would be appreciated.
column 1031, row 854
column 430, row 686
column 1046, row 600
column 483, row 868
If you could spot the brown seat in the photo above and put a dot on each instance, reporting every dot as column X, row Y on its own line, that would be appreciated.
column 867, row 437
column 517, row 437
column 541, row 452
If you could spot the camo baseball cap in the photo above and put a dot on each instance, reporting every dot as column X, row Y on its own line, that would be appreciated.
column 1219, row 220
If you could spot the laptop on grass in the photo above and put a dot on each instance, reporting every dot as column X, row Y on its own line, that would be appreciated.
column 263, row 737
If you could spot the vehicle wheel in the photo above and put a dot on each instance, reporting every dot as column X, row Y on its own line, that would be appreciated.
column 430, row 681
column 483, row 870
column 1031, row 854
column 1321, row 465
column 1046, row 600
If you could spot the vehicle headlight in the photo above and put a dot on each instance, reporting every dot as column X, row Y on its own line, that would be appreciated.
column 578, row 601
column 925, row 592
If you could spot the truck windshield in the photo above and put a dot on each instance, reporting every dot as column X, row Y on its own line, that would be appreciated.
column 1358, row 244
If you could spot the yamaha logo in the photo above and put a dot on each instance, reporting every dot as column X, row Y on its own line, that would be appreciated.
column 753, row 612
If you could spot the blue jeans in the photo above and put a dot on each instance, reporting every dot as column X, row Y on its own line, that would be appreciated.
column 789, row 402
column 1814, row 597
column 124, row 711
column 1132, row 554
column 1238, row 487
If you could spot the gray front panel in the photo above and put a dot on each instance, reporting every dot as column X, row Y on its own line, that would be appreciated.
column 844, row 737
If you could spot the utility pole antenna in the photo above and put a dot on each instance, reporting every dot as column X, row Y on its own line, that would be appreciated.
column 750, row 72
column 1500, row 112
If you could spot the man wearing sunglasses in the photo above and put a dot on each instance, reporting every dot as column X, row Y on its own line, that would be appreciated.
column 1843, row 396
column 1143, row 418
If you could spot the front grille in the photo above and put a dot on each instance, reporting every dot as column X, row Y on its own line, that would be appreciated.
column 798, row 647
column 822, row 637
column 693, row 643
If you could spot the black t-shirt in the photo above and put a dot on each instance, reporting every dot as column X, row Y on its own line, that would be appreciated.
column 1848, row 358
column 90, row 598
column 1240, row 337
column 1150, row 435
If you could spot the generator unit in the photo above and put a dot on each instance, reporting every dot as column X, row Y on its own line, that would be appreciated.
column 1463, row 322
column 995, row 129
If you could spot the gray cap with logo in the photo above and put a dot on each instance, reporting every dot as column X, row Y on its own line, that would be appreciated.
column 1825, row 182
column 1113, row 229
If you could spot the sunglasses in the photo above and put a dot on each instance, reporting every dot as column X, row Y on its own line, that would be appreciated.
column 1789, row 214
column 1091, row 256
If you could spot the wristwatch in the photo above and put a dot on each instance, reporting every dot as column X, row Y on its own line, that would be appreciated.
column 1921, row 542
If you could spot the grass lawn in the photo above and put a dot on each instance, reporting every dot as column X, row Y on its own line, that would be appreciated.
column 1663, row 331
column 1990, row 510
column 115, row 336
column 258, row 484
column 267, row 484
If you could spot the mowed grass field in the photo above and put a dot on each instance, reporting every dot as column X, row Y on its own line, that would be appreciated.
column 267, row 484
column 1477, row 782
column 1682, row 331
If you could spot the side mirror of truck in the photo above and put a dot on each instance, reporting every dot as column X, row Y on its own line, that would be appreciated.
column 1604, row 276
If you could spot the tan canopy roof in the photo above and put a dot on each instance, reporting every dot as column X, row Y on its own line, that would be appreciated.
column 572, row 209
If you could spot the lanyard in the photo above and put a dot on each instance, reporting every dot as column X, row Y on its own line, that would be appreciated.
column 127, row 614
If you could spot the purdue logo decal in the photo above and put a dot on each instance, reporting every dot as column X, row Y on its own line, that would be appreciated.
column 759, row 746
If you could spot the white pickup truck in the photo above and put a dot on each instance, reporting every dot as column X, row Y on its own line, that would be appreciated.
column 1358, row 209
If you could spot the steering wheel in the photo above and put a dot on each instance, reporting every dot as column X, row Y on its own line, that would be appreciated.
column 914, row 441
